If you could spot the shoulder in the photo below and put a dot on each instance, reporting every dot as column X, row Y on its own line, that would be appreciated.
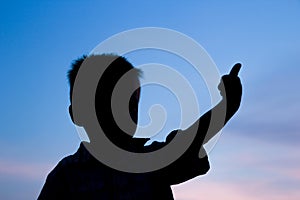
column 78, row 158
column 54, row 187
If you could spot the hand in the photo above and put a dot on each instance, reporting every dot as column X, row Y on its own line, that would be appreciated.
column 231, row 88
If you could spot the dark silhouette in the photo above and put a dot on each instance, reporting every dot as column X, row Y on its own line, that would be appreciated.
column 81, row 176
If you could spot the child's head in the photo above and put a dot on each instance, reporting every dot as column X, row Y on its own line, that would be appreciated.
column 118, row 66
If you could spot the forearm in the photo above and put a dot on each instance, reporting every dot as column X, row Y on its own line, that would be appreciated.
column 209, row 124
column 215, row 119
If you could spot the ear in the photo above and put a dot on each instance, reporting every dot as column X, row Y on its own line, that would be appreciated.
column 71, row 113
column 72, row 116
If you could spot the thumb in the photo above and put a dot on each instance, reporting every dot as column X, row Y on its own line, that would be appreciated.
column 235, row 69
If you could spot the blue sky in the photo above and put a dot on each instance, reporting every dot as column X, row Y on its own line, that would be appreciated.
column 256, row 156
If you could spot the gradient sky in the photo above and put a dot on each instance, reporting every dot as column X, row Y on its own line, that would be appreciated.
column 257, row 155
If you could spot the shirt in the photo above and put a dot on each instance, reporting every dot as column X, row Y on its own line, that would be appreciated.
column 81, row 176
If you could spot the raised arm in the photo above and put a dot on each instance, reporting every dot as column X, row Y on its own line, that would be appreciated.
column 231, row 90
column 193, row 163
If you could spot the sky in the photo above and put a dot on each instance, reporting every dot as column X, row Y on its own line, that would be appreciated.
column 257, row 153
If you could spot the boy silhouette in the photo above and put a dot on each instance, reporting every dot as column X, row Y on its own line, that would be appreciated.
column 81, row 176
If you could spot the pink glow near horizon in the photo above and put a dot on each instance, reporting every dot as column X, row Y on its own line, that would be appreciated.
column 23, row 170
column 197, row 190
column 236, row 174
